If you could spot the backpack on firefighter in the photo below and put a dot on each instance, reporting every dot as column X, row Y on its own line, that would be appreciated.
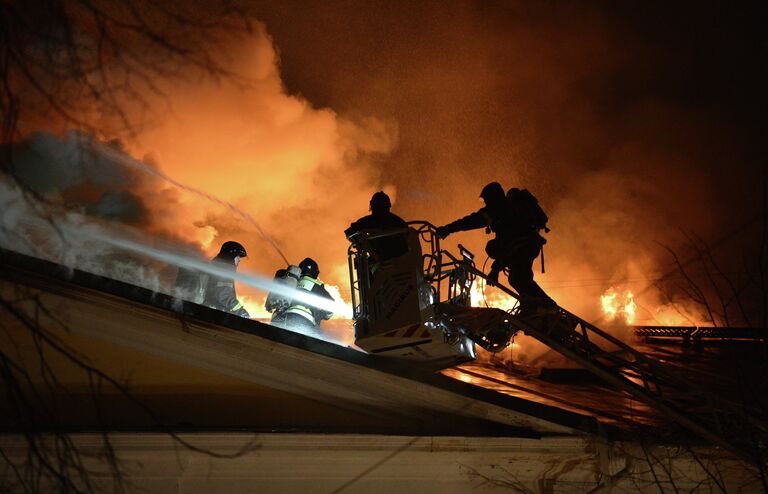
column 278, row 303
column 527, row 210
column 526, row 207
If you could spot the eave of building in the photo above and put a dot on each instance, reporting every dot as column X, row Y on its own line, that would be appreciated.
column 352, row 463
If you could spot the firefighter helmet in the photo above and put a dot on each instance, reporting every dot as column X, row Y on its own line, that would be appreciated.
column 380, row 202
column 232, row 249
column 309, row 268
column 493, row 193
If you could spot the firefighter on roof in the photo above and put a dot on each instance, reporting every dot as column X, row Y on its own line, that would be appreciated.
column 515, row 220
column 220, row 291
column 301, row 316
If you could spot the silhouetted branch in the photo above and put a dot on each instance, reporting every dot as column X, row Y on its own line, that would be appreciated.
column 504, row 479
column 70, row 59
column 60, row 63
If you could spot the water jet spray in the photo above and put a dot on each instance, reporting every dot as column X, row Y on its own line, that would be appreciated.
column 112, row 154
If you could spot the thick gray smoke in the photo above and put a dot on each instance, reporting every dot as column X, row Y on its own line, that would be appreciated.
column 71, row 171
column 36, row 229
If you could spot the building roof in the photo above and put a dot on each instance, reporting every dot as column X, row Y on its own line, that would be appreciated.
column 203, row 368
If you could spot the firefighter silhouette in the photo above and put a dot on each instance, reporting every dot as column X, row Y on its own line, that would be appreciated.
column 220, row 291
column 517, row 241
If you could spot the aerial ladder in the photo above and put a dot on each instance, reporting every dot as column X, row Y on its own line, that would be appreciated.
column 415, row 304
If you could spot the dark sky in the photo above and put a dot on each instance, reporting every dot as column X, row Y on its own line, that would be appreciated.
column 699, row 54
column 554, row 86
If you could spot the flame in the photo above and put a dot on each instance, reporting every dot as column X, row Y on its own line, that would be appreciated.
column 608, row 301
column 619, row 305
column 336, row 294
column 630, row 307
column 255, row 306
column 481, row 296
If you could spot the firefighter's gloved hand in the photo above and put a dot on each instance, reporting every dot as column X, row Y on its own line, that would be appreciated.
column 442, row 231
column 243, row 313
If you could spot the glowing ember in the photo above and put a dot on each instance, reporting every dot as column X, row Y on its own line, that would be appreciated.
column 618, row 304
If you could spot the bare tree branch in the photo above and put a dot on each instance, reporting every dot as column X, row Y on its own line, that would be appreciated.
column 60, row 61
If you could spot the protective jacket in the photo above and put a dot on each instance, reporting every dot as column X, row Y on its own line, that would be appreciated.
column 499, row 218
column 220, row 292
column 514, row 237
column 311, row 314
column 386, row 220
column 386, row 247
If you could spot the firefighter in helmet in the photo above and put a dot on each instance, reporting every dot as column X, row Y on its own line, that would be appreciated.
column 220, row 291
column 381, row 218
column 300, row 315
column 515, row 246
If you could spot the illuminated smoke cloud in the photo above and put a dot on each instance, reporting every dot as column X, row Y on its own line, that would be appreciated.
column 304, row 173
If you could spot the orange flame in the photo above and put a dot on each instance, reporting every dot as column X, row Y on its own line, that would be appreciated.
column 619, row 305
column 255, row 306
column 482, row 296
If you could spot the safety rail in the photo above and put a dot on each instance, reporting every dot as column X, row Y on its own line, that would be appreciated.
column 358, row 266
column 440, row 266
column 701, row 332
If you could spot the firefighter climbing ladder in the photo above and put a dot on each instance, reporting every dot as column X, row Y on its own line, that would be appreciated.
column 731, row 426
